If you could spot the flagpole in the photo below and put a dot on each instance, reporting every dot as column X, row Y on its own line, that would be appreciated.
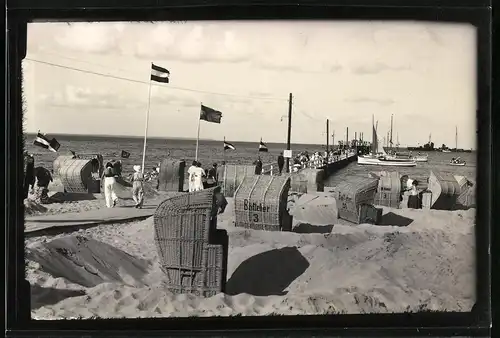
column 198, row 136
column 147, row 124
column 224, row 154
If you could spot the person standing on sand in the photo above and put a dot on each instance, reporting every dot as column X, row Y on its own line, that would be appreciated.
column 43, row 179
column 29, row 174
column 212, row 176
column 414, row 198
column 138, row 187
column 109, row 185
column 258, row 166
column 190, row 172
column 198, row 174
column 281, row 162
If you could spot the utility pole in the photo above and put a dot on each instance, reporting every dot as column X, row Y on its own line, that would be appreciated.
column 347, row 137
column 289, row 131
column 327, row 134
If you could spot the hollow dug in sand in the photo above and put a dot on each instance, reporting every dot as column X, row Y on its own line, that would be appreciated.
column 426, row 265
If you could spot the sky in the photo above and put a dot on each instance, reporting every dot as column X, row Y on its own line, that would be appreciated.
column 93, row 78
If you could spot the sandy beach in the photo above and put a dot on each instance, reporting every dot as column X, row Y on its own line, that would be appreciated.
column 321, row 267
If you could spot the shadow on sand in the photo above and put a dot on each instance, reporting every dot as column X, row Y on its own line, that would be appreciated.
column 306, row 228
column 71, row 197
column 42, row 296
column 268, row 273
column 395, row 220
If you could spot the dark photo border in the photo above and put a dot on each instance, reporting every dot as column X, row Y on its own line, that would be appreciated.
column 474, row 323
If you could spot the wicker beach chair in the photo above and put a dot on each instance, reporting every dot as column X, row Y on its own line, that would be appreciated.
column 193, row 253
column 352, row 193
column 260, row 203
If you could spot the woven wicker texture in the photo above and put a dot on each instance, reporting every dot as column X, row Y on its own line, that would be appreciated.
column 368, row 214
column 171, row 176
column 75, row 175
column 193, row 253
column 260, row 203
column 445, row 190
column 87, row 156
column 353, row 192
column 233, row 176
column 59, row 161
column 298, row 182
column 315, row 179
column 389, row 190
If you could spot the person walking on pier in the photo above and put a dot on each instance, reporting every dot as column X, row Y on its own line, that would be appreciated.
column 281, row 162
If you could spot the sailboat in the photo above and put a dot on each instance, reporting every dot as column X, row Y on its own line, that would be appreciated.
column 394, row 156
column 379, row 157
column 456, row 161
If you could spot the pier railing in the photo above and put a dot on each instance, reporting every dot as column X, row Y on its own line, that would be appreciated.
column 272, row 169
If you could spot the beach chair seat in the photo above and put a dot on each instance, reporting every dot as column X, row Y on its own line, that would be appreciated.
column 192, row 252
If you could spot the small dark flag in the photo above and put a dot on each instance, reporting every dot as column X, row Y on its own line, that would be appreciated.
column 263, row 147
column 210, row 115
column 43, row 142
column 159, row 74
column 125, row 154
column 229, row 146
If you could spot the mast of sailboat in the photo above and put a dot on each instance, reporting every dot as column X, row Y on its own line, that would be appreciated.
column 390, row 139
column 456, row 138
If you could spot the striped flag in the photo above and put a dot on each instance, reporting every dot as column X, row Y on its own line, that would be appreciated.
column 43, row 142
column 210, row 115
column 228, row 146
column 263, row 147
column 159, row 74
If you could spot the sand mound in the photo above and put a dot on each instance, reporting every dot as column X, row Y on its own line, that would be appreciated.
column 87, row 262
column 33, row 208
column 426, row 265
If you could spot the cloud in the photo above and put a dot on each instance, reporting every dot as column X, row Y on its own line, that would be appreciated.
column 96, row 38
column 377, row 68
column 382, row 102
column 190, row 43
column 174, row 99
column 86, row 97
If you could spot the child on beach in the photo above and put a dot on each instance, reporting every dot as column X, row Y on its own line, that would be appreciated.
column 109, row 185
column 137, row 186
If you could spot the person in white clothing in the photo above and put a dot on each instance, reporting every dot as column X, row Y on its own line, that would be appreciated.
column 198, row 174
column 190, row 172
column 109, row 185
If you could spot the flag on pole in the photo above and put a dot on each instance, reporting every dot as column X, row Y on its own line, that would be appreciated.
column 228, row 146
column 210, row 115
column 125, row 154
column 42, row 141
column 262, row 147
column 159, row 74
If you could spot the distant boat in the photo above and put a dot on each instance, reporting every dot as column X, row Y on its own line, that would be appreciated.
column 460, row 164
column 380, row 157
column 446, row 151
column 381, row 161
